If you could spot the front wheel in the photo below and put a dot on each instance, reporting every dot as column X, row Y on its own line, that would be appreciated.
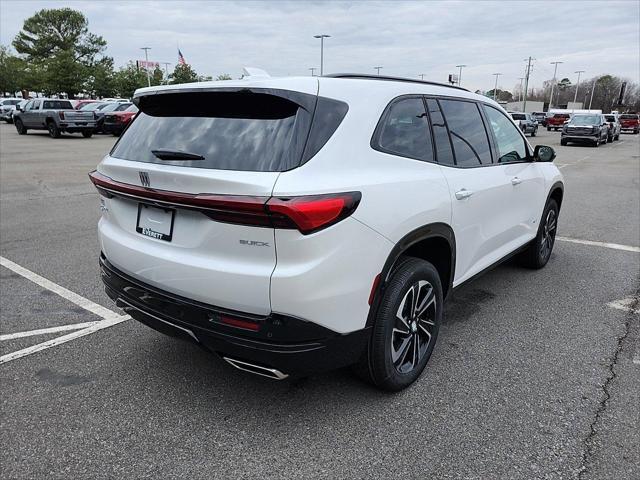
column 20, row 128
column 548, row 129
column 87, row 133
column 563, row 142
column 406, row 327
column 533, row 133
column 539, row 250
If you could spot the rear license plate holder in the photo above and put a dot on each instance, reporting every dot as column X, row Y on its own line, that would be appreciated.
column 155, row 222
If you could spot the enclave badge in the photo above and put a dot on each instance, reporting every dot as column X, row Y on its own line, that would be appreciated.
column 144, row 179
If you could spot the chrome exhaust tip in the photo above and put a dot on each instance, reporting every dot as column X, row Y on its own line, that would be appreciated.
column 271, row 373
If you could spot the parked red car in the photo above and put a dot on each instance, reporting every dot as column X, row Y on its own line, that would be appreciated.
column 115, row 122
column 557, row 121
column 80, row 103
column 630, row 121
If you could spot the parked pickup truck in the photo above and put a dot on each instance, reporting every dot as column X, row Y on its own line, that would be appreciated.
column 56, row 116
column 630, row 121
column 557, row 121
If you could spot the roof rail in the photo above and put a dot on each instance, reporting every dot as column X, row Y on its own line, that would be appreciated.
column 366, row 76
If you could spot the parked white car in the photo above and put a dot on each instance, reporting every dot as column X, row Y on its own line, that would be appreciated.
column 295, row 225
column 7, row 107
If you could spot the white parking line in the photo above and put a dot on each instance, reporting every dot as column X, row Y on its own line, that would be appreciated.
column 97, row 326
column 44, row 331
column 626, row 305
column 109, row 317
column 613, row 246
column 574, row 163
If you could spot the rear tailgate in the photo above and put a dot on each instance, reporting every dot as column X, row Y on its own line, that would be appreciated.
column 219, row 255
column 76, row 116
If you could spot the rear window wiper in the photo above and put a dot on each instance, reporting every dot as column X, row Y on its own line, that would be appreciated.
column 176, row 155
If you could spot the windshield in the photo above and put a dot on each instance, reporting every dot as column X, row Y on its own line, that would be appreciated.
column 109, row 107
column 518, row 116
column 90, row 107
column 629, row 117
column 57, row 105
column 585, row 120
column 11, row 102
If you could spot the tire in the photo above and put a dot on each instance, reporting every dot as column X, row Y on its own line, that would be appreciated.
column 609, row 139
column 635, row 132
column 555, row 129
column 54, row 131
column 533, row 133
column 20, row 127
column 548, row 129
column 617, row 137
column 408, row 340
column 539, row 250
column 596, row 144
column 87, row 133
column 563, row 142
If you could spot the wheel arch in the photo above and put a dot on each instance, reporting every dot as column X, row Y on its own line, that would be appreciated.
column 557, row 193
column 434, row 243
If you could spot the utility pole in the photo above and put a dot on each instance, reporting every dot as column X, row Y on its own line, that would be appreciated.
column 553, row 84
column 577, row 84
column 495, row 88
column 378, row 70
column 146, row 67
column 166, row 70
column 313, row 69
column 321, row 37
column 520, row 91
column 421, row 76
column 460, row 74
column 526, row 84
column 593, row 87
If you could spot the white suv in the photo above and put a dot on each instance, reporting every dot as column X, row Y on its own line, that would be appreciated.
column 296, row 225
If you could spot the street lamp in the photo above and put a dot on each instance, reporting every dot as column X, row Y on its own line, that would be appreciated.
column 460, row 74
column 313, row 69
column 496, row 86
column 553, row 84
column 146, row 59
column 378, row 69
column 321, row 37
column 577, row 84
column 421, row 76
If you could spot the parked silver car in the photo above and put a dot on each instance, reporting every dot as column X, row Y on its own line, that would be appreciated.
column 614, row 126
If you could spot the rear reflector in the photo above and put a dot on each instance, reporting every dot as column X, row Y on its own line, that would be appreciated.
column 240, row 323
column 308, row 214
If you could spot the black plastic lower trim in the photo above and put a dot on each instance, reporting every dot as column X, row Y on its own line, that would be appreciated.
column 291, row 345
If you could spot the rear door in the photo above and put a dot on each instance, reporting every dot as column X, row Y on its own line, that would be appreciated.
column 203, row 165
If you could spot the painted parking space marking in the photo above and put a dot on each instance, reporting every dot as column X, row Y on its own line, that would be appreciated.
column 109, row 317
column 45, row 331
column 626, row 305
column 613, row 246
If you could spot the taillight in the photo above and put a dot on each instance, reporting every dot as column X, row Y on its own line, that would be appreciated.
column 61, row 115
column 308, row 214
column 312, row 213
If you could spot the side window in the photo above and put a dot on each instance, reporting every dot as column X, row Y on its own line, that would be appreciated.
column 444, row 153
column 511, row 145
column 36, row 105
column 404, row 130
column 469, row 138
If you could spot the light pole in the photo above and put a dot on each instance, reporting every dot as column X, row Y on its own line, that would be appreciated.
column 520, row 92
column 577, row 84
column 593, row 88
column 146, row 59
column 553, row 84
column 460, row 74
column 421, row 76
column 313, row 69
column 496, row 85
column 166, row 70
column 377, row 69
column 321, row 37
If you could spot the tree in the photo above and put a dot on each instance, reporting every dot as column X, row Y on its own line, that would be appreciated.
column 501, row 95
column 224, row 76
column 13, row 72
column 102, row 79
column 128, row 79
column 60, row 50
column 183, row 73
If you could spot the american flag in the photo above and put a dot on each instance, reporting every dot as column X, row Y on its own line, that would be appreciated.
column 181, row 60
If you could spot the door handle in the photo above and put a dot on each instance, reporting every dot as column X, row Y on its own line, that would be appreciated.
column 516, row 181
column 463, row 193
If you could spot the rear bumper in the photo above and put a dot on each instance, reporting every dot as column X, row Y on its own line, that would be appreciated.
column 111, row 128
column 287, row 344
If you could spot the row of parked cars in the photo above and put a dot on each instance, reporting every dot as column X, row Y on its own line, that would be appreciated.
column 59, row 116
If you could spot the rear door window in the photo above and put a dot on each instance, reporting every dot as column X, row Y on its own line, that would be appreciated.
column 468, row 135
column 444, row 151
column 246, row 130
column 404, row 130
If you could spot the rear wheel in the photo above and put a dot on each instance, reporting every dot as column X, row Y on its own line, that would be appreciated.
column 87, row 133
column 21, row 129
column 533, row 133
column 54, row 131
column 548, row 129
column 406, row 326
column 563, row 142
column 539, row 250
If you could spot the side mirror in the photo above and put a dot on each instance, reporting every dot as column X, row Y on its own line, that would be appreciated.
column 18, row 108
column 542, row 153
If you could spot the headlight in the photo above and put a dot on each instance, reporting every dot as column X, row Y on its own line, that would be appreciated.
column 594, row 129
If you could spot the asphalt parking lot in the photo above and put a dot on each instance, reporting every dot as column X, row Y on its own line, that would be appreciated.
column 535, row 375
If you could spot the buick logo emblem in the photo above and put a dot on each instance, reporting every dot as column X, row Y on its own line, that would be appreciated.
column 144, row 179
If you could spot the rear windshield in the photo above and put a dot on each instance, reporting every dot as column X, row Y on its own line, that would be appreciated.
column 561, row 115
column 518, row 116
column 93, row 106
column 610, row 118
column 57, row 105
column 627, row 116
column 263, row 131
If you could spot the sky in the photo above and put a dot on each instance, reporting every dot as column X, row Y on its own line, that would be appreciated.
column 406, row 38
